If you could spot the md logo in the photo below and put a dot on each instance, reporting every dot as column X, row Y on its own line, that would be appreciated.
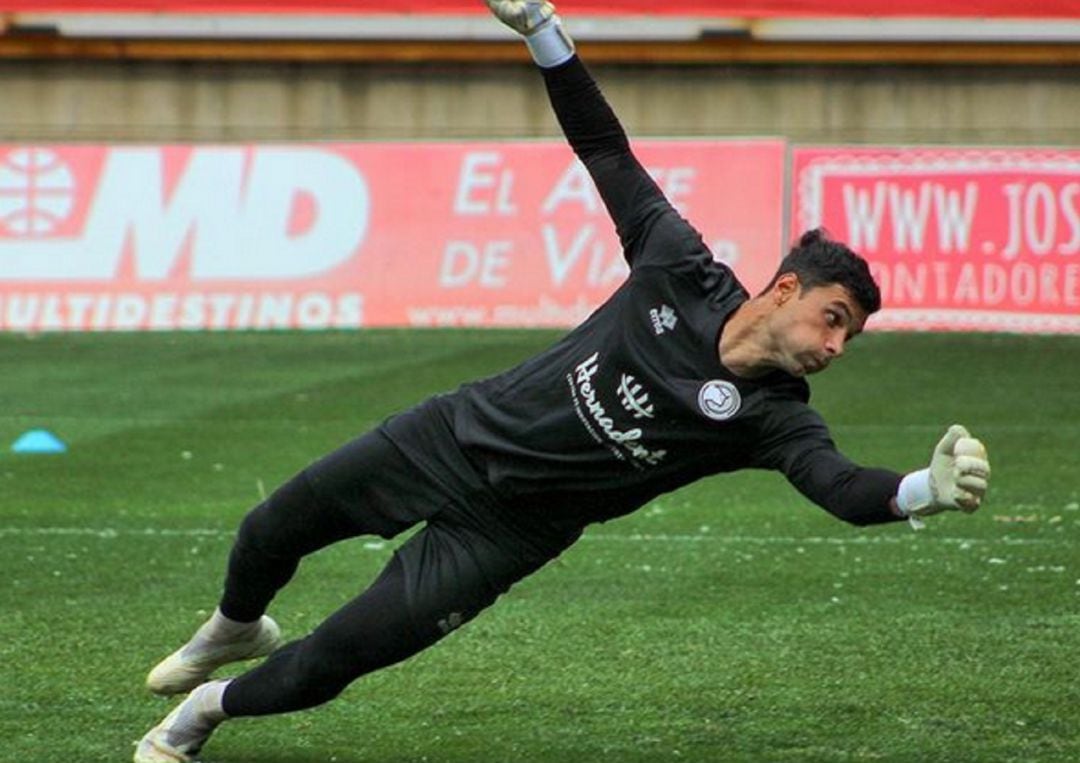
column 157, row 213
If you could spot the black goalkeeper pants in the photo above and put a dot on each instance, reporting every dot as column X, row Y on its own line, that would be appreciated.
column 470, row 550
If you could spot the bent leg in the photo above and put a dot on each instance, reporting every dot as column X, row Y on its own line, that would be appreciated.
column 440, row 579
column 264, row 557
column 371, row 632
column 273, row 537
column 364, row 488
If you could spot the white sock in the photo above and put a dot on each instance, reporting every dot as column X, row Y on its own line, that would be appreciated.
column 197, row 717
column 218, row 630
column 221, row 628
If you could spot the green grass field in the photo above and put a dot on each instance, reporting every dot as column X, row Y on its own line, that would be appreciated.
column 731, row 621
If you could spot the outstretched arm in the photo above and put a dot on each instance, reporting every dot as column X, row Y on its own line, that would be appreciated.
column 631, row 196
column 956, row 480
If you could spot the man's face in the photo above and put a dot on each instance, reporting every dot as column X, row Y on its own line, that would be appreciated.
column 811, row 327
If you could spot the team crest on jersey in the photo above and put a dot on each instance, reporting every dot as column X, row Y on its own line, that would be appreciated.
column 663, row 319
column 719, row 400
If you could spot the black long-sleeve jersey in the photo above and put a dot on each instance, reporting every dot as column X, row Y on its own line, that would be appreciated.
column 635, row 402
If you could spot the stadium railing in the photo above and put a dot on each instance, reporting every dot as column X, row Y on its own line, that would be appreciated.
column 622, row 31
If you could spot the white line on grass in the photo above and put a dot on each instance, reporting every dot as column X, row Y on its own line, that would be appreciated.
column 750, row 540
column 109, row 533
column 813, row 540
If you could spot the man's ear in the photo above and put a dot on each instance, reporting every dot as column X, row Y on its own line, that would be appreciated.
column 786, row 287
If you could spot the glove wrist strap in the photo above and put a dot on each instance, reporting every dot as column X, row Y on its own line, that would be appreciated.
column 914, row 492
column 549, row 44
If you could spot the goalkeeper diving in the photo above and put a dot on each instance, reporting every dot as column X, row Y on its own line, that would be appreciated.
column 506, row 472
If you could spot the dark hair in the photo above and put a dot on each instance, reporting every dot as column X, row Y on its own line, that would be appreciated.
column 819, row 261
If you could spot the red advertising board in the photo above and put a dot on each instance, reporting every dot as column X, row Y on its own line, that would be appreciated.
column 695, row 8
column 346, row 235
column 958, row 239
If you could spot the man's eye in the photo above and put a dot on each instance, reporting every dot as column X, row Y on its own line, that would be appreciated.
column 832, row 318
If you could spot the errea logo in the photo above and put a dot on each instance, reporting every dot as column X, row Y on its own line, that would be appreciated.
column 663, row 319
column 451, row 622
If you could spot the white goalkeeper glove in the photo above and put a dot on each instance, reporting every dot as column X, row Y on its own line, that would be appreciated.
column 536, row 20
column 956, row 479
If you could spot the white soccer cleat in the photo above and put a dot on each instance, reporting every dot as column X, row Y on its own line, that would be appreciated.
column 183, row 732
column 152, row 749
column 192, row 664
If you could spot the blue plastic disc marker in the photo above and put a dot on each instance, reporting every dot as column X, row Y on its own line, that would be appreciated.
column 38, row 441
